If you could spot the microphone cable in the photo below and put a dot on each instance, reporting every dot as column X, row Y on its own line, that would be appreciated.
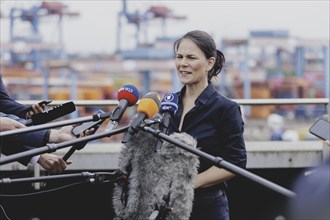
column 4, row 212
column 44, row 191
column 35, row 193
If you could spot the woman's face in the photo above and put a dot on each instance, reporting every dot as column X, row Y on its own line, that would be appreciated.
column 191, row 64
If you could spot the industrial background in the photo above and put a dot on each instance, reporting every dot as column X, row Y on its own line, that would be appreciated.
column 280, row 80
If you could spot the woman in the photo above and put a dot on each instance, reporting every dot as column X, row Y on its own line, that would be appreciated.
column 214, row 120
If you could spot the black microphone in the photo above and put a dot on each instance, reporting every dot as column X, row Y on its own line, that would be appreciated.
column 51, row 114
column 128, row 95
column 167, row 109
column 148, row 107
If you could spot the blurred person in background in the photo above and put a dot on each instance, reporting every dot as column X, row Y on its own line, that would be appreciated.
column 213, row 120
column 313, row 192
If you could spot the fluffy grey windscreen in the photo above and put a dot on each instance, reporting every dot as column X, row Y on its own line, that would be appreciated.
column 154, row 176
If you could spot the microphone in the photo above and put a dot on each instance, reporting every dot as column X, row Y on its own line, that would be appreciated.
column 167, row 109
column 128, row 95
column 50, row 114
column 148, row 107
column 170, row 177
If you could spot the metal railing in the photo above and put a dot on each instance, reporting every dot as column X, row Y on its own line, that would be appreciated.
column 292, row 101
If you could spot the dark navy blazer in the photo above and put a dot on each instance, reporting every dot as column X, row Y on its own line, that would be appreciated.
column 16, row 111
column 10, row 106
column 216, row 123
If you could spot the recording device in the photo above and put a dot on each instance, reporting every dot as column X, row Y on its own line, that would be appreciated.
column 148, row 107
column 167, row 109
column 160, row 183
column 321, row 129
column 127, row 95
column 83, row 127
column 51, row 114
column 88, row 125
column 45, row 102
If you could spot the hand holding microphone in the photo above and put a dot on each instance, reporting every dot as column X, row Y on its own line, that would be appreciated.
column 51, row 114
column 81, row 128
column 53, row 163
column 37, row 108
column 61, row 135
column 87, row 128
column 147, row 108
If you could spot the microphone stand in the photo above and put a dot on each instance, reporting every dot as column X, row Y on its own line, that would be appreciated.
column 95, row 117
column 161, row 211
column 93, row 177
column 53, row 147
column 221, row 163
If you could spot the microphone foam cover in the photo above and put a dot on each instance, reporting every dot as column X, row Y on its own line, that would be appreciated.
column 128, row 92
column 149, row 104
column 153, row 175
column 169, row 103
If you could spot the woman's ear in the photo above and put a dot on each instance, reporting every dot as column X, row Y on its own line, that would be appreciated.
column 211, row 62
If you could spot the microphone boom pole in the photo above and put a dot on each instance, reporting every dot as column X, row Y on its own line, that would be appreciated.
column 53, row 147
column 95, row 117
column 45, row 178
column 93, row 177
column 219, row 162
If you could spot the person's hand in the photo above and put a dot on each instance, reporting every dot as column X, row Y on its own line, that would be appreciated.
column 61, row 135
column 53, row 163
column 65, row 134
column 9, row 124
column 35, row 109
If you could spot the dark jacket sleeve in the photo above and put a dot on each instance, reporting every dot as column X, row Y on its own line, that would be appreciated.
column 234, row 145
column 10, row 106
column 18, row 143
